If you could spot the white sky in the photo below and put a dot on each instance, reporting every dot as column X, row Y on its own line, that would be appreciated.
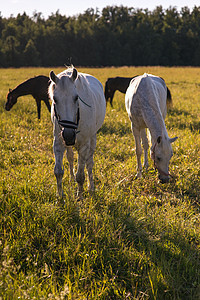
column 73, row 7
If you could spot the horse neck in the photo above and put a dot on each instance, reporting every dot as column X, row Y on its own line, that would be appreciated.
column 82, row 87
column 155, row 122
column 157, row 128
column 151, row 110
column 23, row 89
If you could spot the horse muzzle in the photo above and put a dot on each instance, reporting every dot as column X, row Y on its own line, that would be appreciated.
column 68, row 128
column 163, row 179
column 8, row 106
column 69, row 136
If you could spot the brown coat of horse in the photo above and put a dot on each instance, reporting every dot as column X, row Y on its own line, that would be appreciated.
column 36, row 86
column 121, row 84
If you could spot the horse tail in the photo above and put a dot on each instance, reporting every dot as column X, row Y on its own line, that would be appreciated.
column 169, row 99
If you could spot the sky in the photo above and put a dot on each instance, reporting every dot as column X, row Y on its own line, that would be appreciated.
column 74, row 7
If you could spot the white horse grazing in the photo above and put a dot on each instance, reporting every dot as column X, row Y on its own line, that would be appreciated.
column 145, row 102
column 78, row 111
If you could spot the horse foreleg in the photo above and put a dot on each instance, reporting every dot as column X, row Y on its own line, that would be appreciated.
column 80, row 175
column 145, row 144
column 136, row 134
column 90, row 162
column 59, row 149
column 46, row 101
column 38, row 102
column 70, row 158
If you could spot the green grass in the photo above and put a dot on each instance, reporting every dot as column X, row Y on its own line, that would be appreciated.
column 131, row 239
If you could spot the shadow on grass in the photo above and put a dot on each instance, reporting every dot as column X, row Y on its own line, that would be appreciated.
column 103, row 248
column 143, row 262
column 118, row 129
column 192, row 126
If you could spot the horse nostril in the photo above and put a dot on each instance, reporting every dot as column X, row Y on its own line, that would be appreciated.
column 7, row 107
column 69, row 136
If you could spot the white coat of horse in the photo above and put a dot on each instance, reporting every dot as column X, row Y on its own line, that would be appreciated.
column 78, row 112
column 145, row 102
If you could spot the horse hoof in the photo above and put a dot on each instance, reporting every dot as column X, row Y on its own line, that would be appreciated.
column 79, row 195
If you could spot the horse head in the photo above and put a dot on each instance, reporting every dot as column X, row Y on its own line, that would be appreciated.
column 66, row 109
column 11, row 100
column 161, row 154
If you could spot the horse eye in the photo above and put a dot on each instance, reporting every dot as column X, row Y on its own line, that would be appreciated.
column 158, row 158
column 76, row 98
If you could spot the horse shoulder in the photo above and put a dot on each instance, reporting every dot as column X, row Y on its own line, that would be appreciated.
column 39, row 87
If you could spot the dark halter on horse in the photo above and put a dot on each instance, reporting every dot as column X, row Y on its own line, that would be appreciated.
column 69, row 135
column 65, row 123
column 68, row 128
column 154, row 161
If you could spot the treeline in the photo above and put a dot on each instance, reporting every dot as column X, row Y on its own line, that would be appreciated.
column 113, row 37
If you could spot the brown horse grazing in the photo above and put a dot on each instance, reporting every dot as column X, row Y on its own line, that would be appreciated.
column 37, row 87
column 121, row 84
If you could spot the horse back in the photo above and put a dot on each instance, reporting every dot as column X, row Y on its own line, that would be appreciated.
column 118, row 83
column 146, row 95
column 36, row 86
column 149, row 85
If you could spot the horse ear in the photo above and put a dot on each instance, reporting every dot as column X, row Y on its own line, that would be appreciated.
column 173, row 139
column 74, row 74
column 53, row 77
column 159, row 139
column 10, row 90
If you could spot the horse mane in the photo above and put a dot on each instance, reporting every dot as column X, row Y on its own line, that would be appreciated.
column 145, row 88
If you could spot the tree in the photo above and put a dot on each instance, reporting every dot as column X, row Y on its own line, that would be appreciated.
column 10, row 52
column 117, row 35
column 31, row 55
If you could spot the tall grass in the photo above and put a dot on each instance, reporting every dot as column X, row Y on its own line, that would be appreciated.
column 131, row 239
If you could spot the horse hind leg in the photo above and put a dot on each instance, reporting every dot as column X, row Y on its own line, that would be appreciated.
column 111, row 98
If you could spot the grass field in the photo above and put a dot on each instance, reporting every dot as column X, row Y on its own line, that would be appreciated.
column 132, row 239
